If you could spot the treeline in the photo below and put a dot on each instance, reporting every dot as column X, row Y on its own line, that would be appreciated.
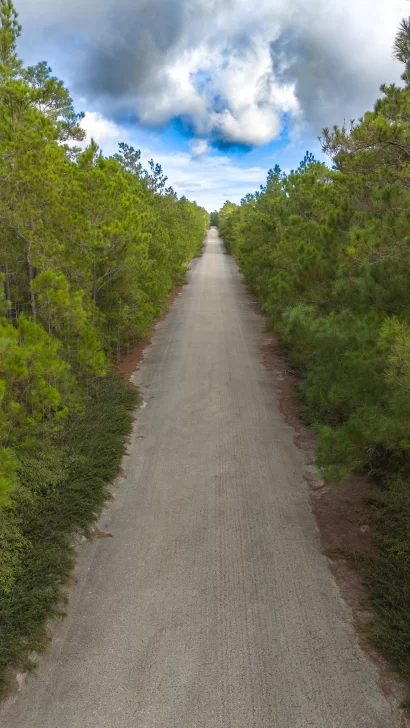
column 90, row 248
column 328, row 252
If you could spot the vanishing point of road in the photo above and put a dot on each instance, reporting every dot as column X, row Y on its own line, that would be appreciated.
column 212, row 604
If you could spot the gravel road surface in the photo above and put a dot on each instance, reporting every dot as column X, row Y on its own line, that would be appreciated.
column 212, row 604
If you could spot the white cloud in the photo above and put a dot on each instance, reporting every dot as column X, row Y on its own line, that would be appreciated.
column 231, row 70
column 100, row 129
column 252, row 102
column 198, row 148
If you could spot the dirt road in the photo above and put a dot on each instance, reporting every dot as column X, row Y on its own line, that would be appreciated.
column 212, row 604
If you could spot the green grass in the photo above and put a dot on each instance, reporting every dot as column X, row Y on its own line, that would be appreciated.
column 63, row 488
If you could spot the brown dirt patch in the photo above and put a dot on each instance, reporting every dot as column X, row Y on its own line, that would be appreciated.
column 344, row 517
column 131, row 361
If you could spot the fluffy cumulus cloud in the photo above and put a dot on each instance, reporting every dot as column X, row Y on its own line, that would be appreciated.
column 228, row 72
column 102, row 130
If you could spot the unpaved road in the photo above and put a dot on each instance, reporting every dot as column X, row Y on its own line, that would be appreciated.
column 212, row 604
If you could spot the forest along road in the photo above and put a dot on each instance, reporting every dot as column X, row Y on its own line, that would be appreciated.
column 212, row 604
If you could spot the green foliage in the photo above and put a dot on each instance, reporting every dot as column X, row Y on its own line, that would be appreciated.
column 36, row 386
column 90, row 248
column 8, row 473
column 327, row 251
column 388, row 575
column 64, row 315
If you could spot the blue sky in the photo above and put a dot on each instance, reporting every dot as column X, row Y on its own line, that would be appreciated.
column 217, row 91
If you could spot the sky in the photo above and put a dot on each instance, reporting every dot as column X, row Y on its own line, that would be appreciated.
column 216, row 91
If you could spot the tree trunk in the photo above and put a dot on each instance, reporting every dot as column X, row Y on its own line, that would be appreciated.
column 7, row 282
column 94, row 283
column 7, row 290
column 32, row 295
